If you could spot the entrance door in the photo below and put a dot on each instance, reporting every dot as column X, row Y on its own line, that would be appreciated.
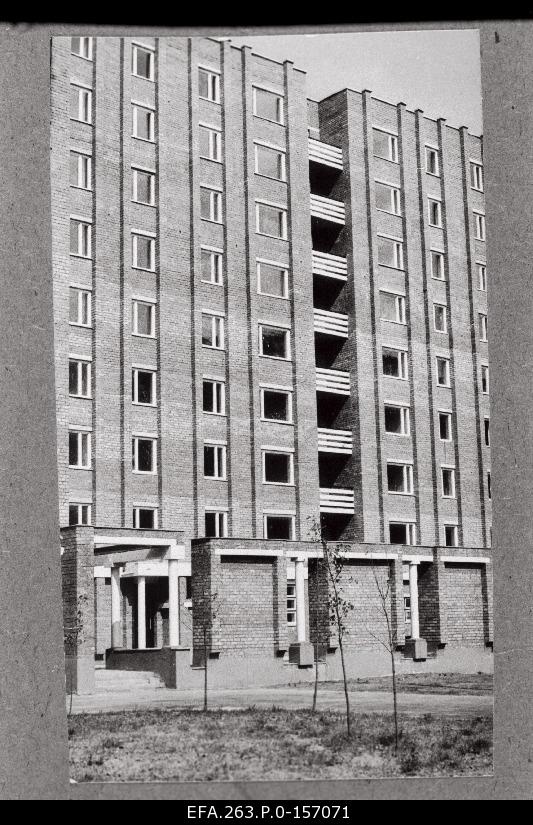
column 152, row 604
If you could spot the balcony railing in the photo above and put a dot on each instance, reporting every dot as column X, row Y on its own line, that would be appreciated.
column 334, row 500
column 335, row 441
column 331, row 323
column 333, row 266
column 333, row 381
column 324, row 153
column 328, row 209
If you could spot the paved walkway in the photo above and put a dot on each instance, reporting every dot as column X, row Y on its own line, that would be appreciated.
column 284, row 697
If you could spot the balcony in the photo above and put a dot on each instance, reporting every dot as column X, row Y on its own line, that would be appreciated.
column 331, row 323
column 327, row 209
column 332, row 266
column 333, row 381
column 335, row 441
column 334, row 500
column 324, row 153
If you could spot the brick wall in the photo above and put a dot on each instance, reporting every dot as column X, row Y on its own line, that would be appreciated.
column 78, row 607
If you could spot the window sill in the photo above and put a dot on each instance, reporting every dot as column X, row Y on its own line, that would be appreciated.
column 82, row 257
column 435, row 225
column 209, row 100
column 215, row 478
column 275, row 358
column 269, row 295
column 82, row 57
column 395, row 377
column 142, row 335
column 276, row 421
column 218, row 415
column 398, row 435
column 391, row 321
column 142, row 77
column 212, row 283
column 152, row 406
column 270, row 177
column 144, row 140
column 77, row 467
column 213, row 160
column 81, row 397
column 440, row 331
column 391, row 266
column 397, row 493
column 144, row 472
column 143, row 203
column 142, row 269
column 212, row 220
column 433, row 174
column 216, row 349
column 389, row 160
column 80, row 326
column 81, row 188
column 275, row 237
column 388, row 212
column 444, row 386
column 270, row 120
column 279, row 483
column 77, row 120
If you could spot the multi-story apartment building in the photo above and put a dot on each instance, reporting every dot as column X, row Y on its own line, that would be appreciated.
column 270, row 314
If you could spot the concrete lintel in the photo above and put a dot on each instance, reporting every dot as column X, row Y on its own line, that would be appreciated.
column 465, row 559
column 412, row 559
column 370, row 556
column 101, row 572
column 243, row 551
column 132, row 541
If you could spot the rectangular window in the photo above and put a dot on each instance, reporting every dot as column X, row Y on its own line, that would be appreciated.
column 269, row 162
column 274, row 342
column 82, row 47
column 210, row 143
column 80, row 238
column 445, row 426
column 143, row 318
column 394, row 363
column 79, row 307
column 210, row 204
column 392, row 307
column 388, row 198
column 276, row 405
column 434, row 212
column 211, row 263
column 143, row 187
column 216, row 524
column 390, row 252
column 385, row 145
column 482, row 327
column 487, row 432
column 450, row 535
column 79, row 514
column 402, row 533
column 209, row 85
column 79, row 449
column 484, row 379
column 432, row 161
column 268, row 105
column 400, row 478
column 479, row 226
column 482, row 277
column 448, row 482
column 443, row 372
column 291, row 603
column 277, row 468
column 143, row 122
column 213, row 398
column 476, row 176
column 271, row 220
column 145, row 518
column 212, row 331
column 79, row 378
column 489, row 487
column 440, row 320
column 144, row 454
column 80, row 170
column 437, row 265
column 215, row 461
column 278, row 527
column 143, row 251
column 142, row 62
column 397, row 420
column 143, row 387
column 81, row 101
column 272, row 279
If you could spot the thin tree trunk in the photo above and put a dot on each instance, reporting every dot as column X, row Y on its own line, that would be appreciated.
column 346, row 696
column 205, row 670
column 394, row 698
column 315, row 690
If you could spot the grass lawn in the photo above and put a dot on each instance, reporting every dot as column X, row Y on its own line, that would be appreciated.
column 453, row 684
column 272, row 744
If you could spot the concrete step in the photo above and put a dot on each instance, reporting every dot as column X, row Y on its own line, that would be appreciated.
column 120, row 680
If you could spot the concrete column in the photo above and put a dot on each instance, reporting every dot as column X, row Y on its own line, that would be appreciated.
column 173, row 604
column 300, row 599
column 116, row 610
column 141, row 612
column 413, row 593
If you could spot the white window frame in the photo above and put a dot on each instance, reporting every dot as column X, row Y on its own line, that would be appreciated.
column 281, row 390
column 407, row 472
column 284, row 329
column 221, row 522
column 448, row 370
column 270, row 147
column 220, row 460
column 291, row 599
column 270, row 513
column 84, row 159
column 449, row 425
column 454, row 527
column 445, row 468
column 84, row 41
column 135, row 234
column 280, row 104
column 437, row 254
column 85, row 103
column 438, row 305
column 483, row 329
column 278, row 451
column 405, row 419
column 135, row 386
column 410, row 531
column 393, row 144
column 395, row 198
column 432, row 150
column 476, row 175
column 82, row 364
column 213, row 84
column 283, row 210
column 485, row 379
column 83, row 293
column 399, row 307
column 135, row 107
column 217, row 330
column 150, row 50
column 284, row 269
column 215, row 204
column 214, row 142
column 85, row 240
column 432, row 201
column 398, row 252
column 481, row 276
column 81, row 505
column 82, row 433
column 135, row 171
column 216, row 265
column 135, row 307
column 136, row 513
column 216, row 396
column 479, row 226
column 136, row 437
column 402, row 363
